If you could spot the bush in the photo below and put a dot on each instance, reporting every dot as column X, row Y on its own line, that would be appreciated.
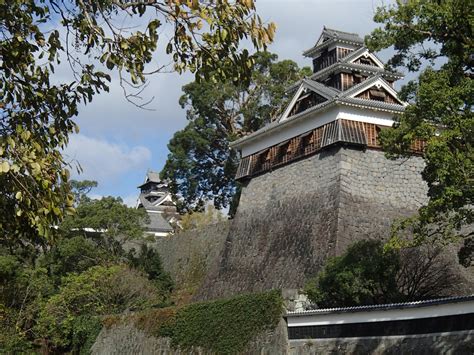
column 98, row 291
column 365, row 274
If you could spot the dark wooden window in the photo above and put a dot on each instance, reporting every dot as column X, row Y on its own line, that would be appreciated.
column 343, row 52
column 306, row 101
column 353, row 132
column 324, row 60
column 346, row 80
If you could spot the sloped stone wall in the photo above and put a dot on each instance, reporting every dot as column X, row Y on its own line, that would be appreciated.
column 126, row 339
column 290, row 220
column 375, row 191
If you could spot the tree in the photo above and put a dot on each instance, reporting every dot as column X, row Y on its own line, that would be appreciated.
column 96, row 292
column 367, row 274
column 201, row 167
column 38, row 108
column 149, row 262
column 108, row 216
column 363, row 275
column 440, row 111
column 81, row 188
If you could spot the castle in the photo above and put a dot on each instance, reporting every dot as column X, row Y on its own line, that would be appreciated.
column 313, row 182
column 348, row 99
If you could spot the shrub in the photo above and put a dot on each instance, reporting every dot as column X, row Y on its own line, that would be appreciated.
column 364, row 274
column 98, row 291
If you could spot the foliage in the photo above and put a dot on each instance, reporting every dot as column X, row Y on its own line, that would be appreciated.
column 98, row 291
column 107, row 216
column 441, row 110
column 193, row 220
column 223, row 326
column 85, row 332
column 80, row 189
column 75, row 254
column 363, row 275
column 38, row 107
column 149, row 262
column 427, row 272
column 201, row 167
column 56, row 298
column 370, row 273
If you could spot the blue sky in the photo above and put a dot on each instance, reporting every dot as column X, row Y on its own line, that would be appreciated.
column 118, row 142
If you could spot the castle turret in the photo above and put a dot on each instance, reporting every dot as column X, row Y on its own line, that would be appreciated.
column 157, row 200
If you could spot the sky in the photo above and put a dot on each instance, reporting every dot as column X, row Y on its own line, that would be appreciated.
column 119, row 142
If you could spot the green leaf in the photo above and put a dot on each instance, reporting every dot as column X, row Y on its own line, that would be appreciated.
column 5, row 167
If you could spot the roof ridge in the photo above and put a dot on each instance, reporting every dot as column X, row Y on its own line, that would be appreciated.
column 385, row 305
column 327, row 92
column 339, row 31
column 353, row 54
column 321, row 85
column 368, row 81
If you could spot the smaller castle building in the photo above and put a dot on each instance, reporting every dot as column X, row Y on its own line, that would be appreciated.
column 157, row 200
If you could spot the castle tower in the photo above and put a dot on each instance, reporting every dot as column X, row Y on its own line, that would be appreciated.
column 157, row 200
column 315, row 180
column 348, row 99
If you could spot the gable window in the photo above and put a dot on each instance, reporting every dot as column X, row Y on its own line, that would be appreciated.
column 305, row 101
column 377, row 95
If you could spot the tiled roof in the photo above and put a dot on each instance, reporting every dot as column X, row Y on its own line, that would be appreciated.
column 380, row 105
column 337, row 97
column 157, row 223
column 374, row 307
column 353, row 55
column 277, row 123
column 327, row 91
column 334, row 36
column 153, row 176
column 346, row 36
column 366, row 83
column 353, row 66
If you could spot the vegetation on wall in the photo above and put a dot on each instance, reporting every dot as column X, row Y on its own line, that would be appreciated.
column 194, row 220
column 224, row 326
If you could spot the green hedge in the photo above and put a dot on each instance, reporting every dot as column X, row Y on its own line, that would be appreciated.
column 223, row 326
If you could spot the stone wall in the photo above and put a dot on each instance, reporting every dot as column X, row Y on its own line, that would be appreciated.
column 126, row 339
column 192, row 251
column 375, row 191
column 290, row 220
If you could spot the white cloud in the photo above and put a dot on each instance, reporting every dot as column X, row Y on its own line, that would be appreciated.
column 104, row 161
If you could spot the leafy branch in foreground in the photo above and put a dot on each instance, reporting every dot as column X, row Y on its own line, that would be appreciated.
column 37, row 107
